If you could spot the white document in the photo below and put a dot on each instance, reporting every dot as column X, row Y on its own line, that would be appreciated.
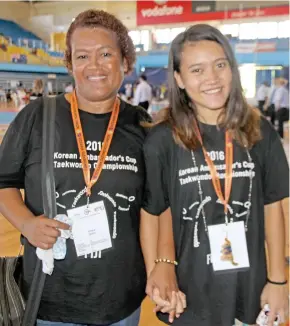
column 90, row 228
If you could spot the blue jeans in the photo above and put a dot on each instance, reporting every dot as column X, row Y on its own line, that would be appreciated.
column 132, row 320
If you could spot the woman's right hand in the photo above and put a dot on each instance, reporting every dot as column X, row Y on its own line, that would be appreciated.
column 42, row 232
column 163, row 289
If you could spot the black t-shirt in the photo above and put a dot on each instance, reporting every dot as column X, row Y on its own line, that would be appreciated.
column 90, row 290
column 215, row 299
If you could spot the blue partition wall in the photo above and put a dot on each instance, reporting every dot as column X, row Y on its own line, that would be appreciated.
column 280, row 55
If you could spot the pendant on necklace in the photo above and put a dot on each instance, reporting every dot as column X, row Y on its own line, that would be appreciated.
column 227, row 253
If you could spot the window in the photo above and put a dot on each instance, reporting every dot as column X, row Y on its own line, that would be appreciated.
column 167, row 35
column 232, row 29
column 284, row 29
column 140, row 38
column 248, row 31
column 175, row 31
column 135, row 36
column 248, row 79
column 162, row 36
column 267, row 30
column 145, row 39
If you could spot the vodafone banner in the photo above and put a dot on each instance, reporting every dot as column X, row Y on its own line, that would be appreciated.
column 170, row 12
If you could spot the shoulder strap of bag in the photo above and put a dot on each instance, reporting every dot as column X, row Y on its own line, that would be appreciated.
column 47, row 175
column 49, row 204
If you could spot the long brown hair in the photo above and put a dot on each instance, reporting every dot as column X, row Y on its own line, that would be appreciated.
column 38, row 86
column 239, row 118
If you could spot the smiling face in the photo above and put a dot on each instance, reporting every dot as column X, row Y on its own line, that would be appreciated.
column 97, row 63
column 206, row 75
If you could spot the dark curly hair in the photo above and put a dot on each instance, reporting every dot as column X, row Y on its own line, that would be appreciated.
column 99, row 18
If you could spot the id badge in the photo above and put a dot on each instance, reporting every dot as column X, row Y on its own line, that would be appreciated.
column 228, row 246
column 90, row 228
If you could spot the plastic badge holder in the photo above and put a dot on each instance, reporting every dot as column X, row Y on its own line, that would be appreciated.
column 262, row 319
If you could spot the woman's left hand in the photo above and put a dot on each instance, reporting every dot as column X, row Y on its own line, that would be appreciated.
column 277, row 297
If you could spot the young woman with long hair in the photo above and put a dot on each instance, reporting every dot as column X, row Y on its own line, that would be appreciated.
column 214, row 166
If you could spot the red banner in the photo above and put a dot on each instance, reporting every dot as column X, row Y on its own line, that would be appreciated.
column 171, row 12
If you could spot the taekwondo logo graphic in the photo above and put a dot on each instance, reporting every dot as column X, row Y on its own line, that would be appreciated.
column 119, row 203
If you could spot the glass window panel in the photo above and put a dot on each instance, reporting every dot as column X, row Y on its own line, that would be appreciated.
column 145, row 35
column 135, row 36
column 248, row 31
column 284, row 29
column 162, row 35
column 267, row 30
column 230, row 29
column 175, row 31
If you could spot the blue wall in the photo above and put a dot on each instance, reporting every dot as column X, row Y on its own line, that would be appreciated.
column 158, row 59
column 152, row 61
column 17, row 67
column 261, row 59
column 280, row 58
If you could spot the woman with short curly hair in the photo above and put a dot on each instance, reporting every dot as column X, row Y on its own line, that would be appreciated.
column 100, row 279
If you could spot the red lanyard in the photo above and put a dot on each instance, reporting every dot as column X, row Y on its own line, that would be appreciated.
column 229, row 152
column 82, row 145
